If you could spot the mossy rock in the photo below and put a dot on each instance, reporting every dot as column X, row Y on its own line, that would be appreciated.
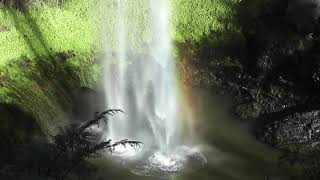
column 44, row 86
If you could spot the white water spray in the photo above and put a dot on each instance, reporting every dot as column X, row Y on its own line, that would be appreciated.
column 144, row 86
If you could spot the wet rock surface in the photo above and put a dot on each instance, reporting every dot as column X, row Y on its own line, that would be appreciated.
column 276, row 82
column 299, row 128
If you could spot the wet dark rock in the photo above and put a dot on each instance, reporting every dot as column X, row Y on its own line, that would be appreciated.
column 300, row 128
column 303, row 14
column 276, row 84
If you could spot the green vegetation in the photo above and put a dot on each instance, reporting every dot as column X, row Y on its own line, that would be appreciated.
column 207, row 30
column 44, row 89
column 48, row 50
column 44, row 29
column 74, row 25
column 47, row 53
column 193, row 20
column 190, row 20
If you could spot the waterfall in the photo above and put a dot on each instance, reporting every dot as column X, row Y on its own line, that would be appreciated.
column 141, row 82
column 143, row 86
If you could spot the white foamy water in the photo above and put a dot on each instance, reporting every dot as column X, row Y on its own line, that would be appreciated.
column 144, row 86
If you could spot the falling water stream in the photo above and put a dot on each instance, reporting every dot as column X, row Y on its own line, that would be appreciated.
column 145, row 87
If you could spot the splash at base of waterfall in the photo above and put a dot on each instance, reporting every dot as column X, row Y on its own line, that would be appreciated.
column 155, row 163
column 143, row 83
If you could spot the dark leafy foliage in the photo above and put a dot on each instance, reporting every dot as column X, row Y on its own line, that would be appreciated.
column 74, row 143
column 65, row 157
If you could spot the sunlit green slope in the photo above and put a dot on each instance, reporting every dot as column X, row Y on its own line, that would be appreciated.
column 47, row 51
column 194, row 19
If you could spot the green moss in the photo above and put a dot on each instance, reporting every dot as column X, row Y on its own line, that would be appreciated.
column 44, row 89
column 46, row 29
column 77, row 26
column 31, row 75
column 193, row 20
column 207, row 30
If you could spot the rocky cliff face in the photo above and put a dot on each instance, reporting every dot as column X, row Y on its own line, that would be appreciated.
column 298, row 128
column 276, row 79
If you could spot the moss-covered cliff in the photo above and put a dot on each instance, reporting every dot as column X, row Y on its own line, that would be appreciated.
column 46, row 54
column 49, row 49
